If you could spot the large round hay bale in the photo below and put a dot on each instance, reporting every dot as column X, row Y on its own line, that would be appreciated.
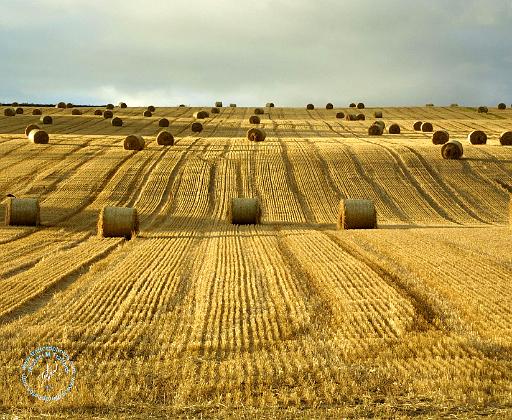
column 502, row 106
column 110, row 106
column 163, row 122
column 76, row 112
column 69, row 105
column 215, row 110
column 256, row 134
column 232, row 105
column 477, row 137
column 375, row 130
column 116, row 122
column 427, row 127
column 46, row 119
column 258, row 111
column 482, row 110
column 151, row 108
column 122, row 105
column 351, row 117
column 61, row 105
column 417, row 125
column 218, row 104
column 19, row 110
column 196, row 127
column 245, row 211
column 165, row 138
column 147, row 113
column 9, row 112
column 329, row 106
column 440, row 137
column 108, row 114
column 506, row 138
column 360, row 117
column 254, row 119
column 31, row 127
column 340, row 115
column 118, row 222
column 310, row 106
column 22, row 212
column 360, row 105
column 269, row 104
column 357, row 214
column 381, row 124
column 452, row 150
column 378, row 114
column 352, row 105
column 38, row 136
column 201, row 115
column 98, row 112
column 394, row 128
column 134, row 142
column 37, row 111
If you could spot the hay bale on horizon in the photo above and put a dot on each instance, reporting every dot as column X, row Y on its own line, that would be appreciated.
column 352, row 105
column 269, row 104
column 357, row 214
column 417, row 125
column 506, row 138
column 122, row 105
column 360, row 105
column 427, row 127
column 116, row 122
column 440, row 137
column 310, row 106
column 254, row 119
column 482, row 110
column 429, row 105
column 76, row 112
column 245, row 211
column 378, row 114
column 232, row 105
column 256, row 134
column 9, row 112
column 196, row 127
column 452, row 150
column 163, row 122
column 134, row 142
column 69, row 105
column 108, row 114
column 201, row 115
column 19, row 110
column 15, row 104
column 61, row 105
column 37, row 111
column 182, row 106
column 394, row 128
column 147, row 113
column 31, row 127
column 22, row 212
column 46, row 119
column 477, row 137
column 38, row 136
column 118, row 222
column 165, row 138
column 329, row 106
column 340, row 115
column 151, row 108
column 502, row 106
column 215, row 110
column 218, row 104
column 258, row 111
column 110, row 106
column 454, row 105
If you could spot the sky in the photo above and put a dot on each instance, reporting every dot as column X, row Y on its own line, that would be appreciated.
column 290, row 52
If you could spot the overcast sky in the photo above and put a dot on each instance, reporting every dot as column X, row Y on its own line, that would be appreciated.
column 291, row 52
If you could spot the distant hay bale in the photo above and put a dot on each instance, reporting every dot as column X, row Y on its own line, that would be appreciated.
column 122, row 105
column 417, row 125
column 245, row 211
column 108, row 114
column 196, row 127
column 329, row 106
column 360, row 105
column 37, row 111
column 360, row 117
column 310, row 106
column 9, row 112
column 454, row 105
column 506, row 138
column 116, row 122
column 38, row 136
column 215, row 110
column 351, row 117
column 31, row 127
column 502, row 106
column 427, row 127
column 69, row 105
column 429, row 105
column 182, row 106
column 340, row 115
column 163, row 122
column 254, row 119
column 375, row 130
column 270, row 105
column 76, row 112
column 147, row 113
column 218, row 104
column 165, row 138
column 61, row 105
column 477, row 137
column 22, row 212
column 151, row 108
column 440, row 137
column 15, row 104
column 352, row 105
column 134, row 142
column 232, row 105
column 482, row 110
column 452, row 150
column 357, row 214
column 110, row 106
column 118, row 222
column 256, row 134
column 201, row 115
column 98, row 112
column 19, row 111
column 46, row 119
column 394, row 129
column 378, row 114
column 258, row 111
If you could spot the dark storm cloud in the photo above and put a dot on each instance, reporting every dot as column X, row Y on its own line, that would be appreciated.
column 291, row 52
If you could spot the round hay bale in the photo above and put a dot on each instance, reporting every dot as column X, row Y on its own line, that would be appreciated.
column 482, row 110
column 352, row 105
column 76, row 112
column 340, row 115
column 22, row 212
column 310, row 106
column 360, row 117
column 258, row 111
column 31, row 127
column 357, row 214
column 134, row 142
column 15, row 104
column 254, row 119
column 98, row 112
column 38, row 136
column 163, row 122
column 61, row 105
column 201, row 115
column 116, row 122
column 110, row 106
column 218, row 104
column 270, row 105
column 256, row 134
column 375, row 130
column 19, row 111
column 9, row 112
column 381, row 124
column 427, row 127
column 215, row 110
column 151, row 108
column 452, row 150
column 417, row 125
column 118, row 222
column 46, row 119
column 440, row 137
column 454, row 105
column 378, row 114
column 37, row 111
column 196, row 127
column 232, row 105
column 122, row 105
column 182, row 106
column 329, row 106
column 351, row 117
column 394, row 129
column 506, row 138
column 429, row 105
column 108, row 114
column 502, row 106
column 147, row 113
column 477, row 137
column 360, row 105
column 69, row 105
column 245, row 211
column 165, row 138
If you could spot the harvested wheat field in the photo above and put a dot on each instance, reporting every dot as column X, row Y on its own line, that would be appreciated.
column 291, row 317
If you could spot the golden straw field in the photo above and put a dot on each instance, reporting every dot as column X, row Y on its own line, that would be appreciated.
column 290, row 318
